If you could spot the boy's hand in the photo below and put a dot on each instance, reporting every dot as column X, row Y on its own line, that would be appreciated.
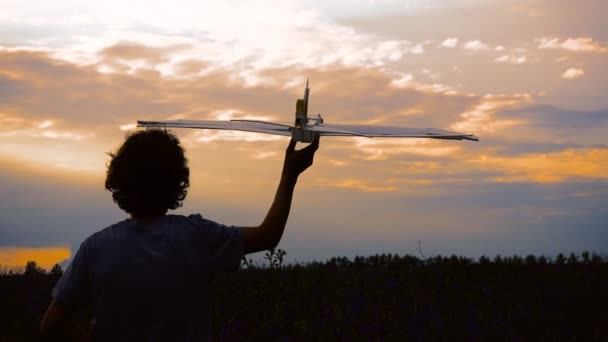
column 297, row 162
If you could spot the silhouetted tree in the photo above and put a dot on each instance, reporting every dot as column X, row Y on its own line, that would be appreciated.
column 585, row 256
column 31, row 268
column 573, row 258
column 530, row 259
column 56, row 270
column 561, row 259
column 516, row 259
column 359, row 260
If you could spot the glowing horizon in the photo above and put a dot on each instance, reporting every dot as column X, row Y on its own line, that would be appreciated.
column 45, row 257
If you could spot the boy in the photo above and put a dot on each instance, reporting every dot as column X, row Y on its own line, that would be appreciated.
column 148, row 276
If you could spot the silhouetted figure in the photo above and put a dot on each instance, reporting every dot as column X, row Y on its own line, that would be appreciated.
column 148, row 277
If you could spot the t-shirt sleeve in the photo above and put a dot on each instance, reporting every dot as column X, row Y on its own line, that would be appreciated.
column 225, row 244
column 73, row 286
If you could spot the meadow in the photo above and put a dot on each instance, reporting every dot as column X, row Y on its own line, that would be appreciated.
column 380, row 297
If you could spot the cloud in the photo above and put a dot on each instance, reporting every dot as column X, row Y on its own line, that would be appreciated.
column 379, row 149
column 527, row 10
column 264, row 154
column 450, row 43
column 136, row 51
column 481, row 118
column 106, row 103
column 45, row 124
column 17, row 126
column 403, row 80
column 580, row 44
column 128, row 127
column 549, row 124
column 359, row 185
column 547, row 168
column 476, row 45
column 432, row 75
column 572, row 73
column 221, row 35
column 511, row 59
column 95, row 108
column 417, row 49
column 207, row 136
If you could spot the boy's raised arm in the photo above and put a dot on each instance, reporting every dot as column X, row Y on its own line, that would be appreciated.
column 268, row 234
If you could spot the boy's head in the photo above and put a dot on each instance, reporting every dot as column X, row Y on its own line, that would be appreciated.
column 149, row 173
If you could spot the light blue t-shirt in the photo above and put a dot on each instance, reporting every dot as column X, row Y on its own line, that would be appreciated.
column 150, row 282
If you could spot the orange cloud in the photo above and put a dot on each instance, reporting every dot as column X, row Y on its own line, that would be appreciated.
column 360, row 185
column 450, row 42
column 510, row 59
column 135, row 51
column 580, row 44
column 97, row 108
column 378, row 149
column 94, row 109
column 476, row 45
column 481, row 118
column 546, row 168
column 573, row 73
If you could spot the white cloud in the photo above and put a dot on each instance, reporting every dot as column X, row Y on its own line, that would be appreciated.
column 450, row 43
column 378, row 149
column 417, row 50
column 480, row 119
column 511, row 59
column 245, row 37
column 476, row 45
column 580, row 44
column 573, row 73
column 263, row 154
column 499, row 48
column 431, row 74
column 207, row 136
column 45, row 124
column 128, row 127
column 403, row 80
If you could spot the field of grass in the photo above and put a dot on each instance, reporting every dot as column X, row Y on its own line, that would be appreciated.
column 382, row 297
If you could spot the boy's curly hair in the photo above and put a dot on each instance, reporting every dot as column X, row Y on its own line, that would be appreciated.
column 149, row 174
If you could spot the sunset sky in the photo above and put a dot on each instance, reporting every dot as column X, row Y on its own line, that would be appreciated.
column 528, row 77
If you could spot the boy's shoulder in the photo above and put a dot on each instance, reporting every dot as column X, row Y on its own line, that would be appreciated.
column 172, row 221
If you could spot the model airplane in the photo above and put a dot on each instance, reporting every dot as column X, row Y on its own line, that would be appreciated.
column 306, row 128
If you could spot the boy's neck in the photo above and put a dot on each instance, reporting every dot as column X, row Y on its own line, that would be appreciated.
column 146, row 219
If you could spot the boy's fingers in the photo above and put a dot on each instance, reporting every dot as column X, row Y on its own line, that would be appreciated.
column 314, row 145
column 292, row 145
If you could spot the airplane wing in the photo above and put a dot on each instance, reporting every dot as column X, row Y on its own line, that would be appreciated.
column 234, row 125
column 371, row 131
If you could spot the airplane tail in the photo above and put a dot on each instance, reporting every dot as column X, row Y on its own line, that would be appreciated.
column 302, row 109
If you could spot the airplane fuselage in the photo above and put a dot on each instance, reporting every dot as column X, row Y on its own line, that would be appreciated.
column 299, row 133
